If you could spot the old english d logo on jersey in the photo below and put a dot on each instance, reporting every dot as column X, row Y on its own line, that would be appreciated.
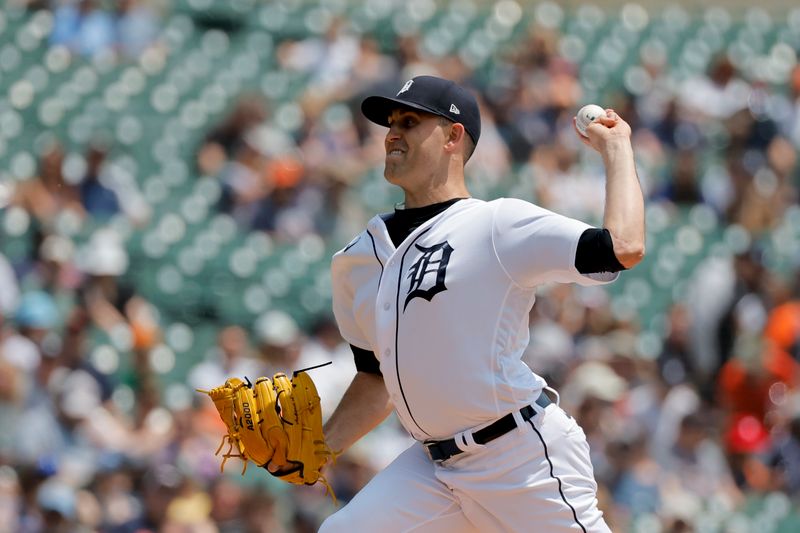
column 428, row 273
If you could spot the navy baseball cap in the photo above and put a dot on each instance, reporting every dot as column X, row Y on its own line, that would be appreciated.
column 434, row 95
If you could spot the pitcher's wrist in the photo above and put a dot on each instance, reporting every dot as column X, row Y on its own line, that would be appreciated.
column 614, row 149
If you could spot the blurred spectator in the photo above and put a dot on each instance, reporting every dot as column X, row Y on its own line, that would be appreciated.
column 637, row 487
column 159, row 486
column 763, row 198
column 708, row 300
column 13, row 390
column 90, row 28
column 351, row 474
column 83, row 28
column 261, row 183
column 35, row 318
column 330, row 60
column 717, row 95
column 762, row 194
column 552, row 348
column 544, row 89
column 562, row 185
column 261, row 515
column 232, row 356
column 245, row 184
column 48, row 195
column 58, row 503
column 190, row 509
column 120, row 508
column 10, row 500
column 491, row 161
column 9, row 288
column 746, row 443
column 97, row 196
column 676, row 129
column 746, row 311
column 589, row 394
column 224, row 140
column 289, row 211
column 136, row 26
column 372, row 65
column 115, row 306
column 323, row 346
column 675, row 361
column 228, row 501
column 683, row 186
column 791, row 120
column 746, row 380
column 696, row 465
column 55, row 271
column 279, row 342
column 783, row 322
column 784, row 456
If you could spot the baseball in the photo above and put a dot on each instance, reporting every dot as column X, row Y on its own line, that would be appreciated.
column 586, row 115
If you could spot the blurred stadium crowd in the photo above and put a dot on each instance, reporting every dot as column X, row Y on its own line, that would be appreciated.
column 175, row 175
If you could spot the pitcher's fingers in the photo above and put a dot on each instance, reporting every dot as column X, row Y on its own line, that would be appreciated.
column 608, row 120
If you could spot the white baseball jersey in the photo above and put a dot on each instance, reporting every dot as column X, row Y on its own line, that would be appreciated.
column 446, row 313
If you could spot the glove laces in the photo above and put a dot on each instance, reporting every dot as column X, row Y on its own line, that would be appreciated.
column 227, row 455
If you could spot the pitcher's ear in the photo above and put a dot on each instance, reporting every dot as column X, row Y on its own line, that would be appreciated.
column 456, row 134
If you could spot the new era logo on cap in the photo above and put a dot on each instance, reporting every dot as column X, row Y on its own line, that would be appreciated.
column 433, row 95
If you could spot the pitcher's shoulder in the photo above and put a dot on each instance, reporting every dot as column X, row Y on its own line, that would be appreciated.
column 361, row 248
column 353, row 242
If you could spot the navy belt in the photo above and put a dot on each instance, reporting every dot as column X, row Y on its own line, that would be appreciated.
column 441, row 450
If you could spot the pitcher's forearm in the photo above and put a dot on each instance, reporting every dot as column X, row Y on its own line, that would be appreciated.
column 364, row 405
column 624, row 207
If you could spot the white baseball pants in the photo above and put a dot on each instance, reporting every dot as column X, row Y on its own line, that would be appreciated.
column 537, row 478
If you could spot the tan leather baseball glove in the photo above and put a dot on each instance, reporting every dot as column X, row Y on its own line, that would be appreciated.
column 277, row 424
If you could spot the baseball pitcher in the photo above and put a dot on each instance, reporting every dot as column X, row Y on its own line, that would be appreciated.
column 434, row 299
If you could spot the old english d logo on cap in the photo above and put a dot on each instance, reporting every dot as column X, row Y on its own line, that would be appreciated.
column 406, row 87
column 431, row 94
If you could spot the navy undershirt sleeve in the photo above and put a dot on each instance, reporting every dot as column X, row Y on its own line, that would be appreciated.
column 366, row 361
column 596, row 252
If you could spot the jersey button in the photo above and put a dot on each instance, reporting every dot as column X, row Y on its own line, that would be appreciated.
column 386, row 306
column 387, row 352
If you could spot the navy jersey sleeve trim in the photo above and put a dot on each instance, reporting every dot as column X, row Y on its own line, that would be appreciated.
column 596, row 253
column 375, row 251
column 366, row 361
column 355, row 241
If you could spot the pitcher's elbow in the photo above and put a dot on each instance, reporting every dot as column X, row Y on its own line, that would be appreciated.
column 631, row 255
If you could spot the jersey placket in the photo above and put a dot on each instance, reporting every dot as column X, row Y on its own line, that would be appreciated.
column 387, row 323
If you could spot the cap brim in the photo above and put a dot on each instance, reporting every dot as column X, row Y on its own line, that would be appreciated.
column 378, row 109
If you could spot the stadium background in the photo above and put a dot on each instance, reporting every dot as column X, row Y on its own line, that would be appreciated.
column 174, row 177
